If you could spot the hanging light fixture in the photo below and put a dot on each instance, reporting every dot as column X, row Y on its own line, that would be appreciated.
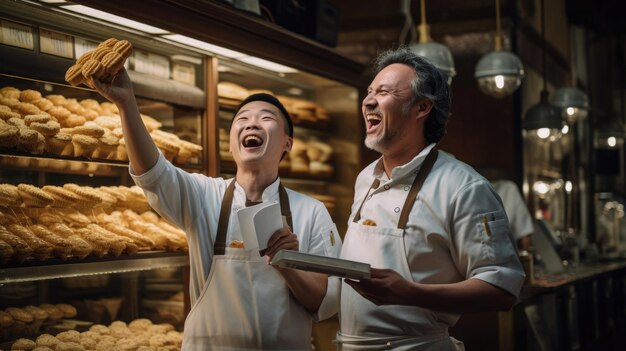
column 499, row 73
column 437, row 54
column 544, row 118
column 573, row 102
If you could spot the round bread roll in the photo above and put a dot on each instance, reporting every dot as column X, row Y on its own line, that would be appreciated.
column 69, row 346
column 6, row 319
column 69, row 336
column 37, row 312
column 53, row 312
column 47, row 340
column 69, row 311
column 19, row 314
column 100, row 329
column 23, row 344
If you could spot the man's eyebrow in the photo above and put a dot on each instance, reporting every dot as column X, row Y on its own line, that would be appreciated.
column 263, row 110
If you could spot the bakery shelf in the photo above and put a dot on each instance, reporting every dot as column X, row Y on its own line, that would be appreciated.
column 48, row 156
column 229, row 167
column 226, row 114
column 32, row 270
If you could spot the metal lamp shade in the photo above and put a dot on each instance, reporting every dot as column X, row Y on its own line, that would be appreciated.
column 437, row 54
column 499, row 73
column 545, row 119
column 574, row 103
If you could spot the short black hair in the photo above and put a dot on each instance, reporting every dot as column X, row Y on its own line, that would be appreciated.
column 272, row 100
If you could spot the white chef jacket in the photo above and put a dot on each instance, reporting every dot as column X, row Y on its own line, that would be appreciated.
column 519, row 218
column 446, row 239
column 192, row 202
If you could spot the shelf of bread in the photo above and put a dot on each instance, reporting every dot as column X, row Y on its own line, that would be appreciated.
column 69, row 230
column 57, row 327
column 56, row 125
column 304, row 113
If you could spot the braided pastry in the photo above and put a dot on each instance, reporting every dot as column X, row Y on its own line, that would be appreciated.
column 142, row 241
column 21, row 250
column 60, row 246
column 109, row 43
column 113, row 62
column 62, row 197
column 41, row 249
column 93, row 69
column 80, row 247
column 87, row 197
column 74, row 75
column 32, row 196
column 9, row 195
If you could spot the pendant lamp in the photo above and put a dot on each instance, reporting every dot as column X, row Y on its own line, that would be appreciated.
column 544, row 118
column 499, row 73
column 609, row 136
column 573, row 102
column 437, row 54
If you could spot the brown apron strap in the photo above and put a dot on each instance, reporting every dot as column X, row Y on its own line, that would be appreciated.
column 415, row 188
column 219, row 248
column 285, row 209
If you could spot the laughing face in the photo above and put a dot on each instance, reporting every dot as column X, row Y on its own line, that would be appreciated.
column 385, row 108
column 258, row 136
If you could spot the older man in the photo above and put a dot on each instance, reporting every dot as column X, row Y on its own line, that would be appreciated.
column 432, row 228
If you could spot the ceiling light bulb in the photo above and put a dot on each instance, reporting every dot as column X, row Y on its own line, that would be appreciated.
column 568, row 186
column 499, row 73
column 565, row 129
column 499, row 81
column 543, row 133
column 611, row 141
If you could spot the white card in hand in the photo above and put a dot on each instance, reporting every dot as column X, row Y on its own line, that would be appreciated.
column 258, row 223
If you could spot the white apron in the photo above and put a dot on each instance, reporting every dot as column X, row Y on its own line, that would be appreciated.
column 389, row 327
column 245, row 303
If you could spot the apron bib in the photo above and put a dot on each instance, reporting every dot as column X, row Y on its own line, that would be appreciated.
column 389, row 327
column 245, row 304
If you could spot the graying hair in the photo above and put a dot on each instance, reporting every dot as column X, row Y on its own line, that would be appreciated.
column 429, row 83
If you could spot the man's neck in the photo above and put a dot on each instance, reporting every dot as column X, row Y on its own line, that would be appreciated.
column 402, row 156
column 254, row 182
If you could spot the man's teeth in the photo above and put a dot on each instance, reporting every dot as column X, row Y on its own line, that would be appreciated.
column 252, row 140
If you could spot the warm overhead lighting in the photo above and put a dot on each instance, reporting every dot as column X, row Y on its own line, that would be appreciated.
column 565, row 129
column 541, row 188
column 88, row 11
column 53, row 1
column 198, row 44
column 574, row 103
column 499, row 73
column 437, row 54
column 544, row 116
column 609, row 135
column 568, row 186
column 259, row 62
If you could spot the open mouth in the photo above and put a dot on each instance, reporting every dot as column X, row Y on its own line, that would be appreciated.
column 252, row 141
column 373, row 120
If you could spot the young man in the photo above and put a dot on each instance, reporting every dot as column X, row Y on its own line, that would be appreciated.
column 432, row 228
column 238, row 300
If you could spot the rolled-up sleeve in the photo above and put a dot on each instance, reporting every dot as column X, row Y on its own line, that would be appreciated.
column 482, row 237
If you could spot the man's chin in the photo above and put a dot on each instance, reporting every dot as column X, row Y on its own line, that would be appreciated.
column 373, row 145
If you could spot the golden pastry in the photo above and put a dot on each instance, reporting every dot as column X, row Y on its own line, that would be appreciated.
column 38, row 118
column 84, row 145
column 236, row 244
column 88, row 343
column 75, row 218
column 99, row 53
column 73, row 120
column 369, row 222
column 90, row 129
column 69, row 311
column 108, row 145
column 117, row 244
column 9, row 195
column 80, row 247
column 41, row 249
column 93, row 69
column 99, row 244
column 47, row 129
column 121, row 153
column 21, row 250
column 10, row 92
column 6, row 252
column 53, row 312
column 9, row 135
column 143, row 242
column 169, row 148
column 109, row 108
column 32, row 196
column 69, row 346
column 113, row 62
column 91, row 104
column 61, row 247
column 60, row 113
column 26, row 108
column 44, row 104
column 6, row 319
column 48, row 218
column 19, row 314
column 84, row 58
column 60, row 144
column 139, row 324
column 6, row 114
column 47, row 340
column 69, row 336
column 124, row 48
column 109, row 43
column 150, row 216
column 9, row 102
column 23, row 344
column 108, row 122
column 57, row 99
column 100, row 329
column 62, row 197
column 74, row 75
column 86, row 197
column 30, row 95
column 90, row 335
column 36, row 312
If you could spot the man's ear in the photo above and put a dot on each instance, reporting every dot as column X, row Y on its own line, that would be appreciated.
column 288, row 144
column 423, row 108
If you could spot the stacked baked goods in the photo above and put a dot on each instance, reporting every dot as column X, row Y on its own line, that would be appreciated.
column 140, row 334
column 67, row 127
column 103, row 63
column 311, row 157
column 28, row 320
column 224, row 145
column 230, row 94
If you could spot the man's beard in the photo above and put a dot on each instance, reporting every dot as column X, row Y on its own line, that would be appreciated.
column 380, row 143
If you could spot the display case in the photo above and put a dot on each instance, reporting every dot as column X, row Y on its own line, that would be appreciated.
column 187, row 89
